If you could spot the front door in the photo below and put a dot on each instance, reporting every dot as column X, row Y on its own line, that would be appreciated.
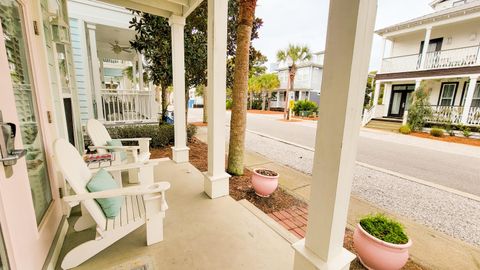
column 30, row 210
column 399, row 100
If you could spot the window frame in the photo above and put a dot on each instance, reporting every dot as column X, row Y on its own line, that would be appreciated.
column 440, row 96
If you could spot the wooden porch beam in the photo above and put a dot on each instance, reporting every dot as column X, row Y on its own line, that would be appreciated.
column 140, row 7
column 184, row 3
column 175, row 9
column 193, row 5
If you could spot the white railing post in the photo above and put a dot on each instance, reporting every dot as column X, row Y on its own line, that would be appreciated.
column 426, row 42
column 468, row 99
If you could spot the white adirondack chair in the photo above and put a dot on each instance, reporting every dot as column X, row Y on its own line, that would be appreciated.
column 100, row 136
column 143, row 204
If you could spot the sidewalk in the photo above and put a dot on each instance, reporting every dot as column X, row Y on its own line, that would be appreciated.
column 430, row 248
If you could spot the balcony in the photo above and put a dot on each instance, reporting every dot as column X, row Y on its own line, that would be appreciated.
column 452, row 58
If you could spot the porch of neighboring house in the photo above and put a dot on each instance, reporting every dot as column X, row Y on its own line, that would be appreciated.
column 277, row 100
column 454, row 100
column 117, row 94
column 200, row 233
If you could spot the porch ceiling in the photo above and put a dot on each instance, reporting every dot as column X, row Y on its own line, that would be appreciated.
column 200, row 233
column 107, row 35
column 164, row 8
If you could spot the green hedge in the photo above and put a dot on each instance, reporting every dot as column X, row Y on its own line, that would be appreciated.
column 162, row 135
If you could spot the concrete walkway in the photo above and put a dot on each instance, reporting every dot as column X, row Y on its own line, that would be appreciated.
column 431, row 249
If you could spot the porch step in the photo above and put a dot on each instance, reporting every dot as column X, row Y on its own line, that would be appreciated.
column 389, row 124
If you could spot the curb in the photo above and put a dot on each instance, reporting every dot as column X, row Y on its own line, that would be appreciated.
column 403, row 176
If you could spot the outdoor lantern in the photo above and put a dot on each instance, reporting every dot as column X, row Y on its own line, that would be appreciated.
column 60, row 32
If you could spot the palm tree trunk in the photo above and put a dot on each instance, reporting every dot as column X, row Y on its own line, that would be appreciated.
column 240, row 85
column 264, row 98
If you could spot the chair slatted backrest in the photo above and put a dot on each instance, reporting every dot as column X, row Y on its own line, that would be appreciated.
column 98, row 134
column 75, row 170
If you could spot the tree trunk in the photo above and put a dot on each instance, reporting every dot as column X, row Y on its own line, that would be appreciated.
column 291, row 77
column 240, row 85
column 264, row 98
column 205, row 104
column 164, row 94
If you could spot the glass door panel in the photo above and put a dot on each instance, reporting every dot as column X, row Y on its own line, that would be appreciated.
column 396, row 101
column 29, row 129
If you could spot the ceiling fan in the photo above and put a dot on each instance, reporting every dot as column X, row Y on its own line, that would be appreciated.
column 117, row 49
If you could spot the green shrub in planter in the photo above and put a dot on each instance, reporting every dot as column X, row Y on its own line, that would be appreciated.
column 384, row 228
column 436, row 132
column 405, row 129
column 162, row 135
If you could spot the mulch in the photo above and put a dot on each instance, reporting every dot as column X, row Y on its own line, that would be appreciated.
column 241, row 188
column 453, row 139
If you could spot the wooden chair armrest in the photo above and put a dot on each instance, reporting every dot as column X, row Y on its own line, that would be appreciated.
column 123, row 148
column 134, row 139
column 159, row 187
column 128, row 166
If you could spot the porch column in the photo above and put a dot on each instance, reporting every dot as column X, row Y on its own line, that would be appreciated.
column 376, row 93
column 348, row 47
column 418, row 82
column 387, row 93
column 216, row 179
column 426, row 42
column 134, row 73
column 180, row 150
column 95, row 69
column 384, row 43
column 469, row 98
column 140, row 71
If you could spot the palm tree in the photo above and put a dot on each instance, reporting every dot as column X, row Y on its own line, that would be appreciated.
column 292, row 55
column 240, row 85
column 264, row 84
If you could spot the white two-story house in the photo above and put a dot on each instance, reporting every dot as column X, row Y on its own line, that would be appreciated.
column 439, row 51
column 308, row 80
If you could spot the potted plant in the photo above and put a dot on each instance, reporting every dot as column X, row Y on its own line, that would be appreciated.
column 264, row 181
column 381, row 243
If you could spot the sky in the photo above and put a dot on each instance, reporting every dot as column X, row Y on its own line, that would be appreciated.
column 305, row 22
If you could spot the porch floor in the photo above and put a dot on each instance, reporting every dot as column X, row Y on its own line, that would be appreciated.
column 199, row 233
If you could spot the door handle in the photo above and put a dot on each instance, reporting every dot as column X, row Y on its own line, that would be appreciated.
column 8, row 154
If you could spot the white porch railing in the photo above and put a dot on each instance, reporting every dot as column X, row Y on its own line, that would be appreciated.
column 368, row 114
column 446, row 114
column 128, row 105
column 474, row 116
column 452, row 58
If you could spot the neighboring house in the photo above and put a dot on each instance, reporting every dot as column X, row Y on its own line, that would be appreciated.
column 101, row 37
column 200, row 233
column 440, row 51
column 308, row 80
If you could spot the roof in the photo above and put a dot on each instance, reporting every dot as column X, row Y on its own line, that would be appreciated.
column 456, row 11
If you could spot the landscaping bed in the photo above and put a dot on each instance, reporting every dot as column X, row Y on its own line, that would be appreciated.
column 453, row 139
column 241, row 188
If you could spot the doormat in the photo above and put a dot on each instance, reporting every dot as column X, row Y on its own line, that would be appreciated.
column 140, row 263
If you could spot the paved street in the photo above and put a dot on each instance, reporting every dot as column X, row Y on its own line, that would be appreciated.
column 451, row 165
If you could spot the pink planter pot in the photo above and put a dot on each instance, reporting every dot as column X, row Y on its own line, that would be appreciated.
column 264, row 185
column 376, row 254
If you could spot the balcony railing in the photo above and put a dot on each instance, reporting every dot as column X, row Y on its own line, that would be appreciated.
column 452, row 58
column 453, row 115
column 128, row 105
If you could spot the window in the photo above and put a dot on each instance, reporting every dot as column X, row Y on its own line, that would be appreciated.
column 447, row 94
column 476, row 95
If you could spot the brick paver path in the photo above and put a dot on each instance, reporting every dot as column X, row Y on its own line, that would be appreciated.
column 293, row 219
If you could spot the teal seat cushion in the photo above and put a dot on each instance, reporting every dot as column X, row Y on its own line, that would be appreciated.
column 102, row 181
column 114, row 142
